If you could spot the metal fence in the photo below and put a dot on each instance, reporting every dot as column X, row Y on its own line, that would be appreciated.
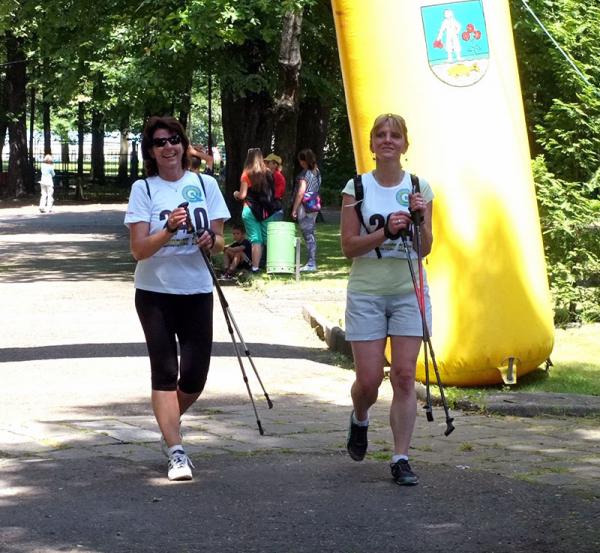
column 66, row 157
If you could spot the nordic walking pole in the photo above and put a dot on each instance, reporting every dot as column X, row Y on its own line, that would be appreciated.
column 417, row 218
column 246, row 350
column 233, row 340
column 230, row 319
column 427, row 344
column 226, row 313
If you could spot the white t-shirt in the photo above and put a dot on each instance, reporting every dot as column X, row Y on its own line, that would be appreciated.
column 389, row 274
column 47, row 172
column 379, row 201
column 178, row 267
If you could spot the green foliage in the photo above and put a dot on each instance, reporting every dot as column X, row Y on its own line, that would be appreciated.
column 572, row 244
column 563, row 112
column 563, row 116
column 338, row 157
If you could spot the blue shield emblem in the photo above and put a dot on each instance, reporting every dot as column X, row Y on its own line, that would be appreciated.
column 457, row 41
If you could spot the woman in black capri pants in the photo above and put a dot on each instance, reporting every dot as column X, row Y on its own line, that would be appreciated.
column 173, row 285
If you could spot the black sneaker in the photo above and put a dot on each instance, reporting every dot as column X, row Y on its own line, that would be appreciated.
column 357, row 440
column 403, row 474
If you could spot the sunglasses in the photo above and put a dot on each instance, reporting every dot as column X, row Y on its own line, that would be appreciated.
column 161, row 142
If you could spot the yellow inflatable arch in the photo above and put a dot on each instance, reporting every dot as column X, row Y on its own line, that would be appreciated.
column 450, row 69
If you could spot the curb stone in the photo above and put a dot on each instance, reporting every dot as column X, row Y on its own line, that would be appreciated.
column 525, row 404
column 333, row 336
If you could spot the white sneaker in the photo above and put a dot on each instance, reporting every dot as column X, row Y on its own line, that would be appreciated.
column 308, row 268
column 180, row 467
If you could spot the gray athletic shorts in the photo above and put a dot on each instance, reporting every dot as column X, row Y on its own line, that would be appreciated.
column 375, row 317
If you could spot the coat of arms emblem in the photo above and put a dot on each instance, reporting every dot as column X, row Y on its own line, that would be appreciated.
column 457, row 41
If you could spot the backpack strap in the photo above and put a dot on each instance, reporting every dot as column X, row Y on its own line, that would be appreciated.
column 416, row 216
column 416, row 187
column 359, row 196
column 202, row 184
column 148, row 189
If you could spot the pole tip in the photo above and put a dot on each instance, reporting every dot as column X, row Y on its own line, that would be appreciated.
column 449, row 427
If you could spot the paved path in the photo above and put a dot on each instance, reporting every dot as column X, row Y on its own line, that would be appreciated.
column 81, row 468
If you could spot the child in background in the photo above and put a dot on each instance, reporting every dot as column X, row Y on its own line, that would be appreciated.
column 238, row 254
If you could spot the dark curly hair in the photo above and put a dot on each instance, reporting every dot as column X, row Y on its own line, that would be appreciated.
column 170, row 124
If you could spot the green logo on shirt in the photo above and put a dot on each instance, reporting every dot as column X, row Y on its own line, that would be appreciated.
column 192, row 194
column 402, row 196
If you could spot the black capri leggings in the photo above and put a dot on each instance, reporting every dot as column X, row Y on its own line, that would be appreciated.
column 190, row 319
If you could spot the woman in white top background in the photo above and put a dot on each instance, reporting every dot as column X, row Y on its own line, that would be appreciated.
column 47, row 185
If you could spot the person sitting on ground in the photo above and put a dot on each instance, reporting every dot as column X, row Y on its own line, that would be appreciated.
column 238, row 254
column 274, row 163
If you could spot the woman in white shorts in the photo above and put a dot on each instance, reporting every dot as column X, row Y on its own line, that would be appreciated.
column 381, row 300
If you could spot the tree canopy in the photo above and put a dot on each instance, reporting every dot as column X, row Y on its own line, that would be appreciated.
column 106, row 66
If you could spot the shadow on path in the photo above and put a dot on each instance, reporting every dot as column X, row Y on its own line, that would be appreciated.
column 71, row 246
column 115, row 349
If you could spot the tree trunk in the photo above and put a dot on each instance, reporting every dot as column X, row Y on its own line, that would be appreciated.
column 32, row 107
column 97, row 162
column 65, row 157
column 80, row 138
column 247, row 123
column 134, row 160
column 209, row 131
column 3, row 120
column 185, row 106
column 3, row 128
column 123, row 149
column 286, row 104
column 313, row 123
column 19, row 176
column 47, row 129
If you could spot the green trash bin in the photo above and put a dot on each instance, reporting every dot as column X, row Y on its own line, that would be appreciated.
column 281, row 247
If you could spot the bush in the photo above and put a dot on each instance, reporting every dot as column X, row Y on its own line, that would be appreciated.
column 569, row 215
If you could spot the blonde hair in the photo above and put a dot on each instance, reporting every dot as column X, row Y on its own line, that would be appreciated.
column 397, row 123
column 48, row 159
